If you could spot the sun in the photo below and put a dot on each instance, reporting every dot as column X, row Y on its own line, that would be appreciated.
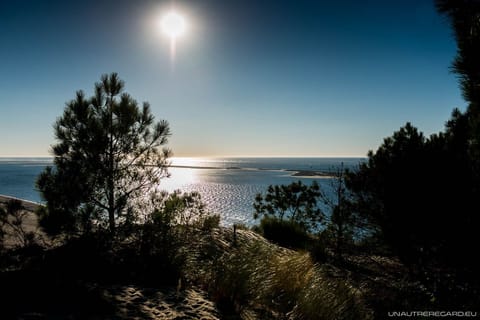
column 173, row 25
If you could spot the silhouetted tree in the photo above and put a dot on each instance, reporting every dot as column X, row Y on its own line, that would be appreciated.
column 295, row 202
column 464, row 16
column 387, row 190
column 421, row 194
column 108, row 156
column 341, row 224
column 420, row 197
column 462, row 134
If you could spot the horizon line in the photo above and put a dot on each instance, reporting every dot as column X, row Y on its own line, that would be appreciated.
column 214, row 156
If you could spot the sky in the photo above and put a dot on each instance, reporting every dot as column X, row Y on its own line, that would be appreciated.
column 249, row 78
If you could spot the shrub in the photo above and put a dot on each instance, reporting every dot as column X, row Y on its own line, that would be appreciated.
column 210, row 222
column 295, row 202
column 12, row 219
column 170, row 229
column 284, row 232
column 318, row 251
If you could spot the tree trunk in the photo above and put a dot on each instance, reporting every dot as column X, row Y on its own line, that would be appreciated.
column 111, row 219
column 339, row 242
column 111, row 181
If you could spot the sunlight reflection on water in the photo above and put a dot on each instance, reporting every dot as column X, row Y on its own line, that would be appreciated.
column 228, row 192
column 228, row 185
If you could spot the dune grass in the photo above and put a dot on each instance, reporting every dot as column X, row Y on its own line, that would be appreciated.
column 257, row 279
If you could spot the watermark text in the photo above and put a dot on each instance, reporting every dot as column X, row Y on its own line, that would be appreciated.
column 439, row 314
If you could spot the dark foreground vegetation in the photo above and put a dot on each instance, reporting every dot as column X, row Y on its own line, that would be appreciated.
column 234, row 275
column 399, row 234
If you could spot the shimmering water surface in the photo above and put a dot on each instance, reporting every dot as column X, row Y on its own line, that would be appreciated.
column 228, row 185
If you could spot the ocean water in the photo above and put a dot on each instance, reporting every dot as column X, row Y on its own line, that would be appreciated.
column 18, row 175
column 228, row 185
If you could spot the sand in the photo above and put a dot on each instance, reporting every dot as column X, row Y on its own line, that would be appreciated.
column 28, row 205
column 165, row 303
column 30, row 221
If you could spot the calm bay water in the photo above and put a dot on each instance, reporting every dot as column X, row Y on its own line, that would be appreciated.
column 228, row 185
column 18, row 175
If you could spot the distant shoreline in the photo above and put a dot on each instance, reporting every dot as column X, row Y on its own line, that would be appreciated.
column 294, row 173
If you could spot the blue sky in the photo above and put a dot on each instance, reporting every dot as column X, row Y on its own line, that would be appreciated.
column 251, row 77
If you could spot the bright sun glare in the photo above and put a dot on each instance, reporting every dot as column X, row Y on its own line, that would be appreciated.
column 173, row 25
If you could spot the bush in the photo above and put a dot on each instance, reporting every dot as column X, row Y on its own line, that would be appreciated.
column 295, row 202
column 241, row 226
column 173, row 225
column 210, row 222
column 12, row 219
column 285, row 233
column 318, row 251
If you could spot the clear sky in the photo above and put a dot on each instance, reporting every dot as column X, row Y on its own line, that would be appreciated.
column 250, row 77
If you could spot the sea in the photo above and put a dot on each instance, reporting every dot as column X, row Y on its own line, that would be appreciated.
column 227, row 185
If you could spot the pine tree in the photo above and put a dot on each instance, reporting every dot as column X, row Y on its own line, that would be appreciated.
column 108, row 156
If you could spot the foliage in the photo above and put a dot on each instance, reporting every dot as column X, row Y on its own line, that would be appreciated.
column 107, row 156
column 463, row 129
column 343, row 221
column 422, row 193
column 173, row 224
column 463, row 15
column 286, row 233
column 390, row 192
column 154, row 252
column 295, row 202
column 12, row 219
column 186, row 209
column 291, row 212
column 319, row 250
column 183, row 209
column 419, row 196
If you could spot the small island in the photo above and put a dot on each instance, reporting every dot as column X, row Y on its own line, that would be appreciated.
column 312, row 174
